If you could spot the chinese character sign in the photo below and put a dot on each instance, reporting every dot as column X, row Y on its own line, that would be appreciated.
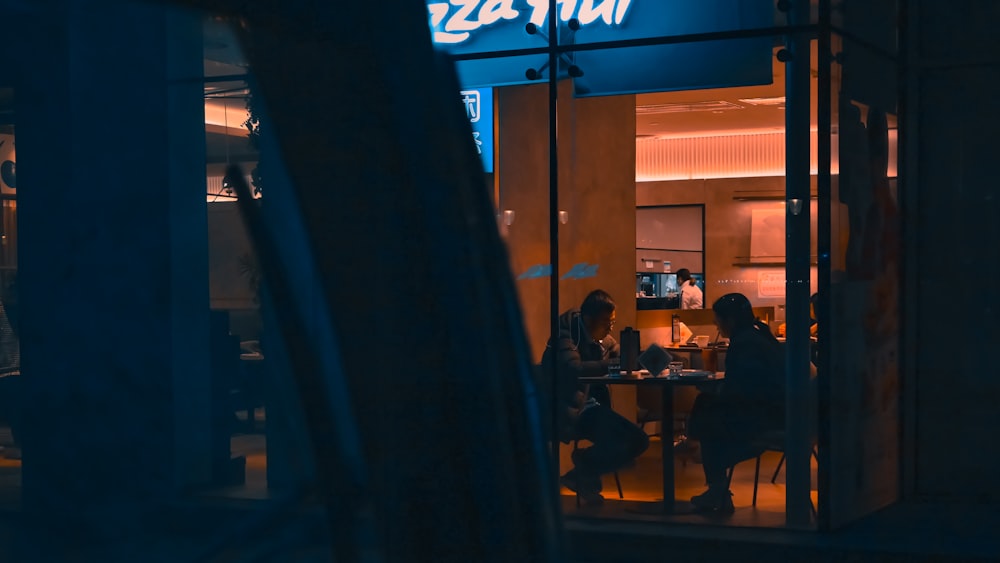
column 479, row 109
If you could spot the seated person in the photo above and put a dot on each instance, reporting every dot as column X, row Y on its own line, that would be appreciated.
column 813, row 330
column 583, row 349
column 748, row 403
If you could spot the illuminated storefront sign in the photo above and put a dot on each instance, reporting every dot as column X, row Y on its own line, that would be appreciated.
column 463, row 27
column 456, row 21
column 478, row 104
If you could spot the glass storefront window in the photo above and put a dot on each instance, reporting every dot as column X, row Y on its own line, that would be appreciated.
column 722, row 149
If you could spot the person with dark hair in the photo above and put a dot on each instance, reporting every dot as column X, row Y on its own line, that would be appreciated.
column 691, row 295
column 749, row 402
column 584, row 348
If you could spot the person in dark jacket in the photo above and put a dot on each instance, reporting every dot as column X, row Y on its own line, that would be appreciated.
column 749, row 402
column 584, row 349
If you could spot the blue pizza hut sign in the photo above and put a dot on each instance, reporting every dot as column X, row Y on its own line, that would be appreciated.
column 478, row 104
column 462, row 27
column 456, row 22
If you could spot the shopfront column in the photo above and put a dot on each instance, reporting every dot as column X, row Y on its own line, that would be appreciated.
column 113, row 263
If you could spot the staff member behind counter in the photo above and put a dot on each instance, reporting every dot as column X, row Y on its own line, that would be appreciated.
column 691, row 295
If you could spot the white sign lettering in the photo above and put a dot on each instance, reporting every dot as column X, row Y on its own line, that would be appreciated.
column 473, row 104
column 452, row 22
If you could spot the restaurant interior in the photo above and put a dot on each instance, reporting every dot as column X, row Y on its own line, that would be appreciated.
column 648, row 184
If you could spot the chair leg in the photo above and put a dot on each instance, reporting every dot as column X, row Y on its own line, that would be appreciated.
column 756, row 479
column 778, row 469
column 618, row 484
column 576, row 445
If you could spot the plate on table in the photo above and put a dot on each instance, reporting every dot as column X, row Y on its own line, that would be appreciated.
column 697, row 374
column 636, row 374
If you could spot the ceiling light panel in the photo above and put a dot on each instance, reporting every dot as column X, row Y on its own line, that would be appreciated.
column 686, row 107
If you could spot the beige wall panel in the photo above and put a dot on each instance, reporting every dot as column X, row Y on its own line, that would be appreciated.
column 596, row 189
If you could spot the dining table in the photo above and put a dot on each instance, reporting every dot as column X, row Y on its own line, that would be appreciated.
column 666, row 383
column 707, row 358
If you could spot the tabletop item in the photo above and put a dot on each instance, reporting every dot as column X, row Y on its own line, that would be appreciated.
column 702, row 341
column 675, row 328
column 676, row 368
column 655, row 359
column 628, row 342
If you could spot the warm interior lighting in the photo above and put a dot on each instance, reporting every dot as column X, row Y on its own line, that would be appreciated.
column 222, row 114
column 776, row 101
column 727, row 154
column 686, row 107
column 508, row 217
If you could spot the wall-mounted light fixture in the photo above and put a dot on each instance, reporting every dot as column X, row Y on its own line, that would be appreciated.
column 795, row 206
column 564, row 217
column 508, row 217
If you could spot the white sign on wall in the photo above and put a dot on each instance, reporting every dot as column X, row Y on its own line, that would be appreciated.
column 771, row 285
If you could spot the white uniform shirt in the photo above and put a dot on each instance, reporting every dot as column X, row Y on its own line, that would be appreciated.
column 691, row 296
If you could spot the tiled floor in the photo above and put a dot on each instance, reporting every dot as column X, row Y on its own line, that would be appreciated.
column 642, row 483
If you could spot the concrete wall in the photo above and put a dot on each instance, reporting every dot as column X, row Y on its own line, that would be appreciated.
column 951, row 211
column 115, row 325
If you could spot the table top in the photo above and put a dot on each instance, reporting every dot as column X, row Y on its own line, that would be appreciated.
column 692, row 348
column 689, row 377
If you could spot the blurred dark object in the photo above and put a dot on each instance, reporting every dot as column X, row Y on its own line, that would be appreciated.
column 456, row 469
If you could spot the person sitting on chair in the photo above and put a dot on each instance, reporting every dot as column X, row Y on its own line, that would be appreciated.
column 584, row 349
column 749, row 402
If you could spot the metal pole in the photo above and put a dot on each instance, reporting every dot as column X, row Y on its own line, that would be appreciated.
column 823, row 245
column 554, row 220
column 797, row 250
column 907, row 188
